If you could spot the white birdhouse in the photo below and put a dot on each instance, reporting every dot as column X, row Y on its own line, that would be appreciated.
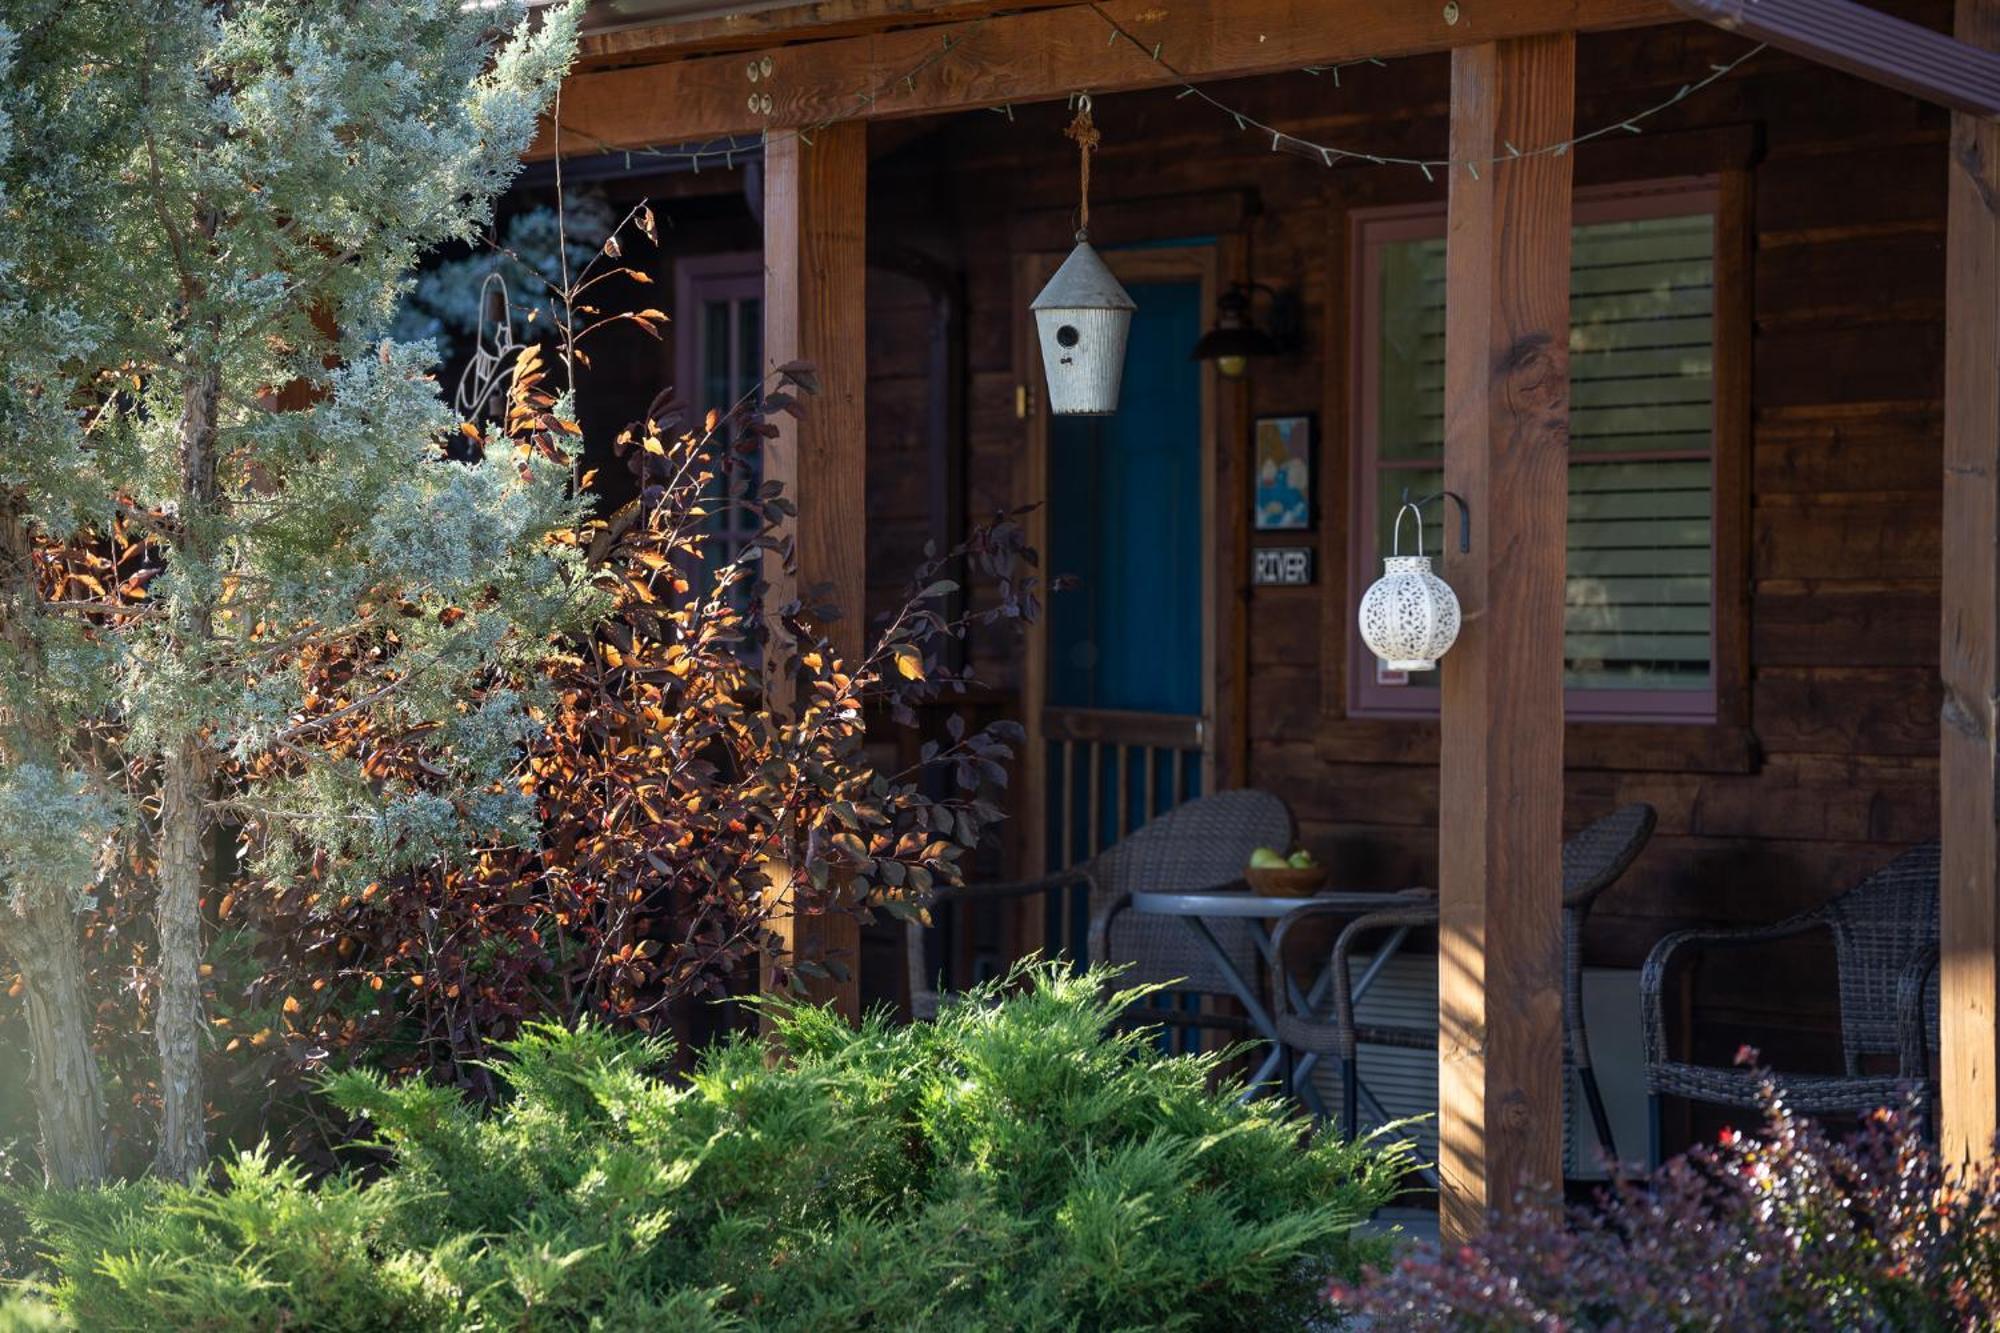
column 1082, row 318
column 1409, row 616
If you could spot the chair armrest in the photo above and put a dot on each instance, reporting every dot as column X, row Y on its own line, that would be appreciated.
column 1913, row 1031
column 1098, row 945
column 1401, row 917
column 1310, row 909
column 1306, row 911
column 1653, row 974
column 1024, row 888
column 1410, row 911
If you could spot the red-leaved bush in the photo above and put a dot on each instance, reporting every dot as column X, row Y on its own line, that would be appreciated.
column 1787, row 1229
column 677, row 810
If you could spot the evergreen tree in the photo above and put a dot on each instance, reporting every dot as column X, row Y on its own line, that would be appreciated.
column 228, row 519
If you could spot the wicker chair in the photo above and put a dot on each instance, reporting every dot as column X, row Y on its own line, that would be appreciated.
column 1202, row 844
column 1885, row 938
column 1592, row 862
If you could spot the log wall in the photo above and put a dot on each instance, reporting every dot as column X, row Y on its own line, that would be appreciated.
column 1837, row 766
column 1834, row 766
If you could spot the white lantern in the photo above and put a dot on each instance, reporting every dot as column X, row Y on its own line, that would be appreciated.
column 1409, row 616
column 1082, row 318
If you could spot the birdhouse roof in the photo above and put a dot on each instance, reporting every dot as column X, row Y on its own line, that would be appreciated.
column 1084, row 282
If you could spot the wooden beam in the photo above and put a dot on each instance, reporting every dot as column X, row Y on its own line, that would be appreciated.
column 815, row 249
column 1507, row 452
column 1969, row 656
column 752, row 29
column 1034, row 56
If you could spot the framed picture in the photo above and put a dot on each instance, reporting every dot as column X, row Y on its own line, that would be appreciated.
column 1283, row 451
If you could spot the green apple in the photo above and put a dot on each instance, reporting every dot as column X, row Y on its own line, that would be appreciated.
column 1268, row 858
column 1301, row 860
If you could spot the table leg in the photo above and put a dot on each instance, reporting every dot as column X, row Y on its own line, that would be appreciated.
column 1246, row 995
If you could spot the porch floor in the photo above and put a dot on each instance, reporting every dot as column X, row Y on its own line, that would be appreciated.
column 1416, row 1224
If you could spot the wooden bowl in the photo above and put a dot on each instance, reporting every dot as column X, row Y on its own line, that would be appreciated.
column 1285, row 881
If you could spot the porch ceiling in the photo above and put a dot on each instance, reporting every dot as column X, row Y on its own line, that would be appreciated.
column 1868, row 44
column 1035, row 55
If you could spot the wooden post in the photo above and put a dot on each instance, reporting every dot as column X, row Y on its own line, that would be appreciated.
column 1969, row 656
column 1025, row 928
column 815, row 243
column 1506, row 451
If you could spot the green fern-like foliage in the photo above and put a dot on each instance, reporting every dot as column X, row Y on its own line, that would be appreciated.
column 1019, row 1164
column 20, row 1315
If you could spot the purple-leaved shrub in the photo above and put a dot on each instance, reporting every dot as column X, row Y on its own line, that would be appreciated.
column 1789, row 1228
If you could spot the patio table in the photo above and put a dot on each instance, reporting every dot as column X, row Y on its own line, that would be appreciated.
column 1197, row 909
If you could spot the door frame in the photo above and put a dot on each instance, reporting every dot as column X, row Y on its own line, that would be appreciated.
column 1225, row 535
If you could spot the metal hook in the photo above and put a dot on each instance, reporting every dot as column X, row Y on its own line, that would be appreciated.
column 1464, row 519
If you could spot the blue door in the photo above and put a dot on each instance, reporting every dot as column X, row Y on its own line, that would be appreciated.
column 1125, row 656
column 1125, row 516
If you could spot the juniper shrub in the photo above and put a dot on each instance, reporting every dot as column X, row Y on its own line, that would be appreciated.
column 1018, row 1164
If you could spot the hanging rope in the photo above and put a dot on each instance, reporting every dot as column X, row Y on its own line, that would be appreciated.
column 1084, row 131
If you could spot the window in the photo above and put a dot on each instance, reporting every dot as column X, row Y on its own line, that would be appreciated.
column 719, row 355
column 1639, row 628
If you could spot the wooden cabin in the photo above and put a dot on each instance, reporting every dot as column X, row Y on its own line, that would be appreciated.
column 1776, row 444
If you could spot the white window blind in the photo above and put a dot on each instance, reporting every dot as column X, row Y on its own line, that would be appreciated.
column 1639, row 619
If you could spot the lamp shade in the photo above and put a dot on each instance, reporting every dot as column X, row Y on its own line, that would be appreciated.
column 1409, row 617
column 1235, row 338
column 1239, row 341
column 1082, row 319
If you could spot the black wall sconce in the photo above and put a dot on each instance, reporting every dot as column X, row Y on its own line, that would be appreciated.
column 1236, row 337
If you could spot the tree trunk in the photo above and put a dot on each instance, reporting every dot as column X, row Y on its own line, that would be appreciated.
column 69, row 1101
column 180, row 1018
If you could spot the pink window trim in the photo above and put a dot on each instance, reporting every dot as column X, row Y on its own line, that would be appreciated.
column 1371, row 229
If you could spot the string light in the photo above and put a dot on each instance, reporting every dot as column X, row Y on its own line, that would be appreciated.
column 725, row 149
column 721, row 150
column 1329, row 154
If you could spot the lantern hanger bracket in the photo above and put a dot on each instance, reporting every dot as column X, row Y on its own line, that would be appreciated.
column 1464, row 513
